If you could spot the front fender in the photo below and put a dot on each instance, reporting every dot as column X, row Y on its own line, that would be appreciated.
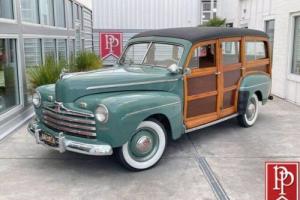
column 128, row 109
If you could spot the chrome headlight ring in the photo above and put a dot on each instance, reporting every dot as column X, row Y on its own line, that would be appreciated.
column 101, row 113
column 37, row 99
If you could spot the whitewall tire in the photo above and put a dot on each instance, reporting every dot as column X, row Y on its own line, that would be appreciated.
column 145, row 148
column 249, row 118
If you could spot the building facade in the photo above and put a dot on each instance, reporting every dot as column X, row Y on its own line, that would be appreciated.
column 281, row 20
column 129, row 17
column 31, row 30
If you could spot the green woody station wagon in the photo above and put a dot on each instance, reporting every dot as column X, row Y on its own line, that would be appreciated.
column 167, row 83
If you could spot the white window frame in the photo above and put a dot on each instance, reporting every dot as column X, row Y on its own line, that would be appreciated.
column 291, row 76
column 14, row 19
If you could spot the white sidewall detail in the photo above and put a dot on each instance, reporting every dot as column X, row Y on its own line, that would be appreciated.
column 161, row 147
column 251, row 122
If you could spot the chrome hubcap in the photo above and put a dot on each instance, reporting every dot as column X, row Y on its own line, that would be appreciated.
column 144, row 144
column 251, row 111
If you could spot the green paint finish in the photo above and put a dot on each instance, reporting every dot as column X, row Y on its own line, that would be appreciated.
column 147, row 153
column 259, row 83
column 129, row 108
column 131, row 95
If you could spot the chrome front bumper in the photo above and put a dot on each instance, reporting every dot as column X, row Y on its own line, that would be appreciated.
column 70, row 145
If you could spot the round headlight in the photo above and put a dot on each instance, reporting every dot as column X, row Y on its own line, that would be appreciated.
column 101, row 113
column 36, row 99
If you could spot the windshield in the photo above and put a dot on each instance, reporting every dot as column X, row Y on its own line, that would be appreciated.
column 153, row 54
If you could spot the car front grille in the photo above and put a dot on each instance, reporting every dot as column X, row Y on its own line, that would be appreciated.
column 61, row 119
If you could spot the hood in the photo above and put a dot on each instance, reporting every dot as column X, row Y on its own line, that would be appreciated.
column 115, row 79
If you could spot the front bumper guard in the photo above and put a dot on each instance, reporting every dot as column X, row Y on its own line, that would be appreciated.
column 70, row 145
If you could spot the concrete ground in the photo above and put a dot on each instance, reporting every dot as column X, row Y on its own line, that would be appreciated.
column 224, row 161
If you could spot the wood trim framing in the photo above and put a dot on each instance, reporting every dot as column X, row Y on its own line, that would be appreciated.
column 219, row 70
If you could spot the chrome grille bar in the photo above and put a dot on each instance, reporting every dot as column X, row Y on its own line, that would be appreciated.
column 70, row 130
column 69, row 112
column 62, row 119
column 62, row 123
column 66, row 118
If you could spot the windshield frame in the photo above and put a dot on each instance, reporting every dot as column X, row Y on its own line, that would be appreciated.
column 144, row 57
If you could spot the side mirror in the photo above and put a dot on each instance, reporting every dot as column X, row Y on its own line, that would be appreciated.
column 187, row 71
column 173, row 69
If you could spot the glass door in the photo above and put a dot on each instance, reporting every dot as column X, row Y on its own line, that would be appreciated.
column 9, row 90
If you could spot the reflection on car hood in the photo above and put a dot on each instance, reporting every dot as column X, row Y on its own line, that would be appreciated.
column 74, row 86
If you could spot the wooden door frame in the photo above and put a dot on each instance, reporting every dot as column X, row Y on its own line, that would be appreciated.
column 201, row 119
column 227, row 68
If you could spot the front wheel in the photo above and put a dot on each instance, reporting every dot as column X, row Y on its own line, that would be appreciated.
column 145, row 148
column 249, row 118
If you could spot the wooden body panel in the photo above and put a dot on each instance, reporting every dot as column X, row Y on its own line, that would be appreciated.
column 212, row 93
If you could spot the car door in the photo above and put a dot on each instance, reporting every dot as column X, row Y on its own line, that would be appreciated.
column 202, row 85
column 231, row 69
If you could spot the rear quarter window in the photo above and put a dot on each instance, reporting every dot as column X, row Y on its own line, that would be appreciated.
column 256, row 50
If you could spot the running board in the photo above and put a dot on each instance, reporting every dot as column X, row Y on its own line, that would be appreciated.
column 211, row 123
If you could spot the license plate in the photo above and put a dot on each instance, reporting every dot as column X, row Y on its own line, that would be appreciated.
column 48, row 139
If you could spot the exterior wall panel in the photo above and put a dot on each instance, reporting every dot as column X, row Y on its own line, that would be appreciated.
column 285, row 84
column 133, row 16
column 145, row 14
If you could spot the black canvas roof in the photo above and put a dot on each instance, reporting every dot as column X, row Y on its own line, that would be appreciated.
column 196, row 34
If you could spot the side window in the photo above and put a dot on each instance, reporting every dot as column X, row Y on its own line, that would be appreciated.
column 231, row 52
column 255, row 50
column 204, row 56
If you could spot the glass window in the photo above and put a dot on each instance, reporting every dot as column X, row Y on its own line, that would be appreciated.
column 214, row 15
column 46, row 12
column 29, row 11
column 62, row 49
column 78, row 42
column 33, row 58
column 231, row 52
column 70, row 14
column 59, row 9
column 296, row 49
column 270, row 28
column 77, row 12
column 71, row 49
column 33, row 52
column 156, row 54
column 9, row 90
column 206, row 6
column 206, row 16
column 6, row 9
column 255, row 50
column 49, row 48
column 203, row 57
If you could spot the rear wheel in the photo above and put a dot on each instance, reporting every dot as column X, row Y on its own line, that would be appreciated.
column 249, row 118
column 145, row 148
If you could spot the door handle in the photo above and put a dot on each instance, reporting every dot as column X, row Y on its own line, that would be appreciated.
column 217, row 73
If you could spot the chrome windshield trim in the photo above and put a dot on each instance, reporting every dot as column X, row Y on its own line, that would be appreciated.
column 130, row 84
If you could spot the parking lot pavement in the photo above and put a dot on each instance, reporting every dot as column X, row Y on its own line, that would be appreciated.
column 220, row 161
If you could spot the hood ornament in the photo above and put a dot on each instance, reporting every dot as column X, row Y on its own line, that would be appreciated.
column 63, row 72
